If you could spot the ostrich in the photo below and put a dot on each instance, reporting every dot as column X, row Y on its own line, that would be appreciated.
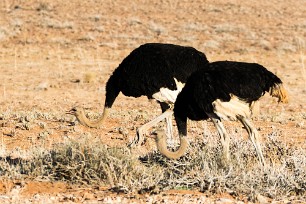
column 158, row 71
column 224, row 90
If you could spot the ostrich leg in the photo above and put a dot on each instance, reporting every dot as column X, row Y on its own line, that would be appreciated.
column 170, row 129
column 224, row 138
column 165, row 106
column 142, row 130
column 254, row 136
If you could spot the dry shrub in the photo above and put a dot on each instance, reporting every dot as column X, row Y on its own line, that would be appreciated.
column 90, row 163
column 202, row 168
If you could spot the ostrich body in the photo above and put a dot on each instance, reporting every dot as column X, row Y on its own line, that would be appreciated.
column 158, row 71
column 225, row 90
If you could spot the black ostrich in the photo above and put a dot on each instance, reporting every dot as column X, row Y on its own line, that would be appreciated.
column 158, row 71
column 224, row 90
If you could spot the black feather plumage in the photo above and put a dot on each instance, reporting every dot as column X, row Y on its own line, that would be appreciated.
column 153, row 66
column 220, row 80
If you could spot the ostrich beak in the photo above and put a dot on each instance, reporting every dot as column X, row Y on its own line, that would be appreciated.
column 71, row 112
column 152, row 136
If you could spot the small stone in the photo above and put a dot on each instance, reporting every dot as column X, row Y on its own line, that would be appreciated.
column 262, row 199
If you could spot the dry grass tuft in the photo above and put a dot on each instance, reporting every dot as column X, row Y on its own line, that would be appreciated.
column 90, row 77
column 89, row 163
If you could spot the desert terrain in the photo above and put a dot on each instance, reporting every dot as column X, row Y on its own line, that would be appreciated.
column 55, row 55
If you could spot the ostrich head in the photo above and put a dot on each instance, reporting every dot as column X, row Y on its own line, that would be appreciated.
column 76, row 111
column 161, row 143
column 79, row 113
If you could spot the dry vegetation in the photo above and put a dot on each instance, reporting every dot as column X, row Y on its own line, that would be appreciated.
column 88, row 162
column 55, row 55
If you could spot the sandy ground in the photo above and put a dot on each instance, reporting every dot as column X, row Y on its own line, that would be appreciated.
column 48, row 47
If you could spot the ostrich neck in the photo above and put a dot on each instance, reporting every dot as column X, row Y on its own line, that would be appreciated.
column 93, row 124
column 162, row 147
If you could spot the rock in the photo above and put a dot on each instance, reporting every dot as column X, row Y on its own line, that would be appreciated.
column 262, row 199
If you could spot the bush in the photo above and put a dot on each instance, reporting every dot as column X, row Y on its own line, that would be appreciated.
column 88, row 162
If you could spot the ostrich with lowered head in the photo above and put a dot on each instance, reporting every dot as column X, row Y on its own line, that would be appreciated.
column 224, row 90
column 158, row 71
